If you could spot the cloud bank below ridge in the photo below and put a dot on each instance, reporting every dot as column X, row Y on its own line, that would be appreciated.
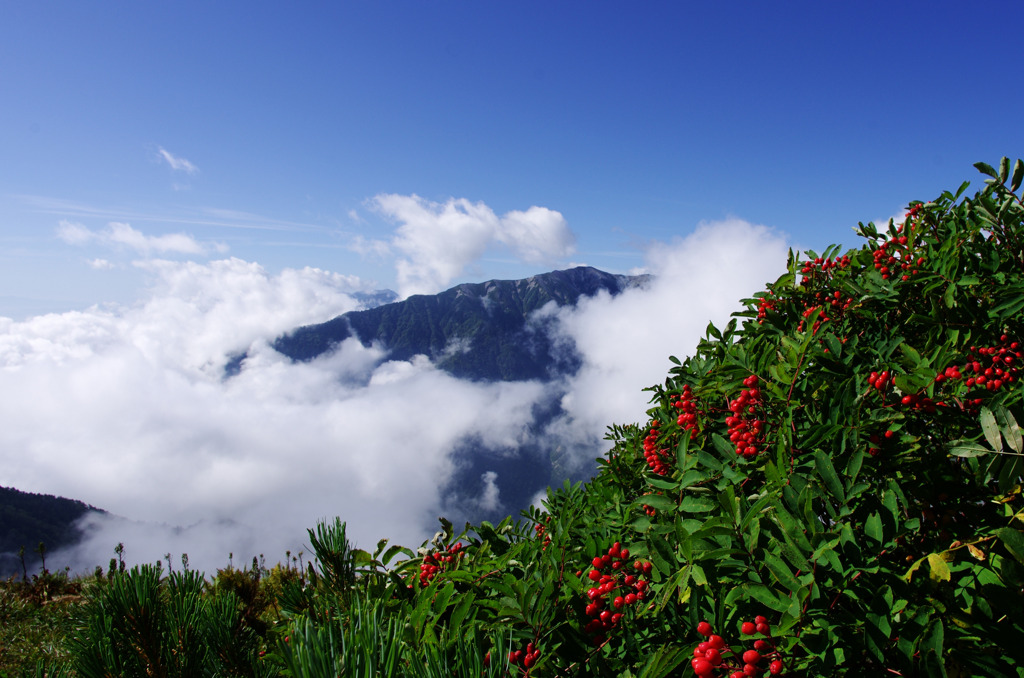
column 127, row 408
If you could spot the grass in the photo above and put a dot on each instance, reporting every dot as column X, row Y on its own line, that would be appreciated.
column 36, row 616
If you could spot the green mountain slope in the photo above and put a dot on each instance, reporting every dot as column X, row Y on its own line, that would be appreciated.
column 478, row 331
column 26, row 519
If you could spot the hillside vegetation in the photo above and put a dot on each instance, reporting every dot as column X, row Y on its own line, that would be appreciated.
column 829, row 486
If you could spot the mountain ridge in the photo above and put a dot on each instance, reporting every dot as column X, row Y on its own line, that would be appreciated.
column 476, row 331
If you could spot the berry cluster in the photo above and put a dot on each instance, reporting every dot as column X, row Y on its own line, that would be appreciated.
column 615, row 589
column 765, row 304
column 438, row 562
column 896, row 256
column 714, row 654
column 816, row 271
column 819, row 269
column 657, row 457
column 650, row 510
column 688, row 417
column 880, row 381
column 746, row 429
column 833, row 303
column 542, row 532
column 989, row 367
column 526, row 658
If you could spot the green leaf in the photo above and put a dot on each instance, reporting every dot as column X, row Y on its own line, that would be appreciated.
column 681, row 450
column 658, row 502
column 1018, row 175
column 913, row 358
column 461, row 610
column 692, row 504
column 931, row 649
column 1004, row 169
column 663, row 661
column 949, row 298
column 823, row 464
column 1013, row 540
column 1010, row 429
column 985, row 168
column 728, row 502
column 781, row 571
column 969, row 449
column 991, row 429
column 873, row 528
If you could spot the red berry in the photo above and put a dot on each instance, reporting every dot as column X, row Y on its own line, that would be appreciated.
column 775, row 668
column 764, row 629
column 751, row 657
column 702, row 667
column 748, row 628
column 704, row 628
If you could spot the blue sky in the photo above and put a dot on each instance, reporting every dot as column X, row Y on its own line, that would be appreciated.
column 182, row 182
column 265, row 132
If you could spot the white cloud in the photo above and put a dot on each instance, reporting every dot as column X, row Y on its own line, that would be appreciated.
column 177, row 163
column 625, row 340
column 118, row 234
column 73, row 233
column 537, row 235
column 128, row 409
column 436, row 241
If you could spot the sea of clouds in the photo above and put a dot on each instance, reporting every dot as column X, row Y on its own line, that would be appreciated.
column 128, row 408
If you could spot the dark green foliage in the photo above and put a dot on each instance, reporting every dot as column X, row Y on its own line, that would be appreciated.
column 842, row 462
column 28, row 519
column 143, row 624
column 874, row 521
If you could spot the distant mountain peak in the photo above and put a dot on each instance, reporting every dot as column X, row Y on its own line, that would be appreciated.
column 487, row 322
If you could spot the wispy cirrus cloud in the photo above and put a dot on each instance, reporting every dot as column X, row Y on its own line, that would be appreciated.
column 204, row 216
column 118, row 234
column 177, row 163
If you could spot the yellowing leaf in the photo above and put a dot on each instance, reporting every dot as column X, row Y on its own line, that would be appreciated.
column 976, row 552
column 939, row 568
